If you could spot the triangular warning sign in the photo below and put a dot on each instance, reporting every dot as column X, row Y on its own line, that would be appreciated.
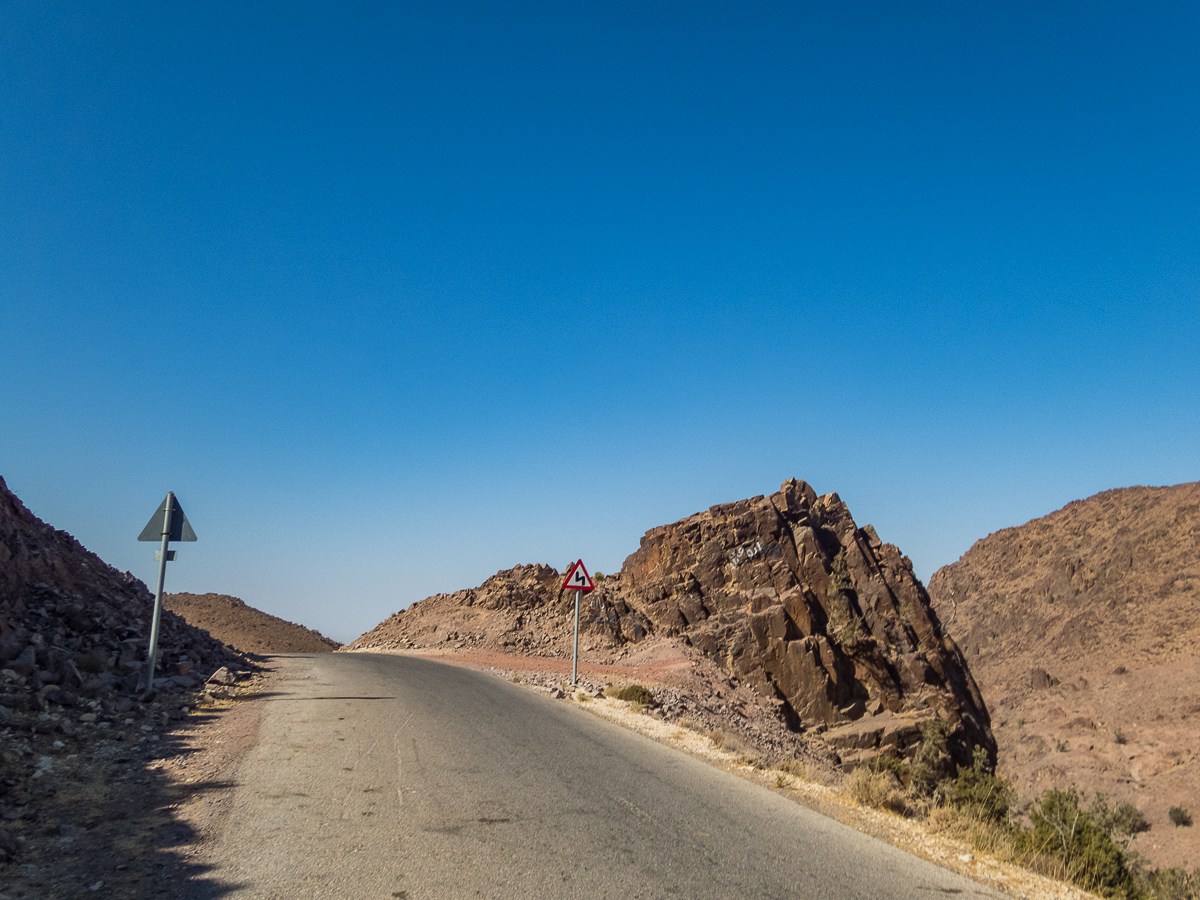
column 578, row 579
column 178, row 528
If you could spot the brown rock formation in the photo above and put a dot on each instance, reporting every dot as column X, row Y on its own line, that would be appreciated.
column 244, row 628
column 786, row 594
column 791, row 597
column 1082, row 629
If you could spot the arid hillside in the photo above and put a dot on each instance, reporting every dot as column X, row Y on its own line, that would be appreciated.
column 784, row 595
column 75, row 720
column 1082, row 629
column 245, row 628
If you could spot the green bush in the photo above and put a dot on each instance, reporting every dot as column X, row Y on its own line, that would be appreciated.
column 1122, row 821
column 1063, row 830
column 1180, row 817
column 1171, row 884
column 844, row 626
column 978, row 790
column 932, row 763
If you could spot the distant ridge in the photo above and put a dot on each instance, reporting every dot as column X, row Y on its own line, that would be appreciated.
column 245, row 628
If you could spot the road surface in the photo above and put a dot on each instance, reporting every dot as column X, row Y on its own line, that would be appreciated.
column 393, row 777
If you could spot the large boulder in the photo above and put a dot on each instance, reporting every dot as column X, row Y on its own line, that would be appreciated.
column 789, row 595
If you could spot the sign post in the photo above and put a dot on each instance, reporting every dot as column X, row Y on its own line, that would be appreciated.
column 578, row 581
column 168, row 524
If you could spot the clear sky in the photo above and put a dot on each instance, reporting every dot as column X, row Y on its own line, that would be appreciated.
column 397, row 295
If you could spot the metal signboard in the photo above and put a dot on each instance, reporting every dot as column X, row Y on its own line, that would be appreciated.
column 167, row 524
column 578, row 579
column 178, row 529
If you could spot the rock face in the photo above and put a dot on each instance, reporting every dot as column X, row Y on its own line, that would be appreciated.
column 245, row 628
column 1082, row 628
column 784, row 593
column 74, row 630
column 791, row 597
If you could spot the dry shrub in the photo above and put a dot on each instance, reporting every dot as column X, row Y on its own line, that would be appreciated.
column 793, row 766
column 635, row 694
column 983, row 833
column 879, row 790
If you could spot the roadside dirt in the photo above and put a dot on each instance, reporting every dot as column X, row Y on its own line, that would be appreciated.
column 130, row 818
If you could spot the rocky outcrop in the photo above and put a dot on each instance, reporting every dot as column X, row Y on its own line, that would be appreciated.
column 244, row 628
column 784, row 593
column 789, row 595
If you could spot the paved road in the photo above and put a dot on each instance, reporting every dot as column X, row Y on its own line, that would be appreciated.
column 385, row 776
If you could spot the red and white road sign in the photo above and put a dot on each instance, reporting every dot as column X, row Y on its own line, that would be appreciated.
column 578, row 579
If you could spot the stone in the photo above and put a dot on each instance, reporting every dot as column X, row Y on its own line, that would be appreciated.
column 25, row 663
column 222, row 676
column 791, row 597
column 1040, row 679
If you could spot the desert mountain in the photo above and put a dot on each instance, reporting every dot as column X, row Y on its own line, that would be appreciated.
column 1082, row 629
column 245, row 628
column 786, row 594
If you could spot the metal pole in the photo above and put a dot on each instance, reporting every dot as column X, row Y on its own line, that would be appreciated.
column 575, row 657
column 162, row 577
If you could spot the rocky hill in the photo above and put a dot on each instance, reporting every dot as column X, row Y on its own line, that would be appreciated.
column 70, row 621
column 73, row 639
column 245, row 628
column 1082, row 629
column 786, row 594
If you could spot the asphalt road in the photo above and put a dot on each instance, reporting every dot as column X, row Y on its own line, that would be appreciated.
column 387, row 776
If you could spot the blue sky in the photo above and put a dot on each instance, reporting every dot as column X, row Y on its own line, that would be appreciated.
column 396, row 295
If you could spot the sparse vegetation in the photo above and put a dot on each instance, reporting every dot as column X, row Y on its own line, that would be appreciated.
column 1119, row 736
column 793, row 766
column 844, row 626
column 979, row 792
column 633, row 693
column 878, row 788
column 1122, row 822
column 1180, row 817
column 1087, row 846
column 1068, row 834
